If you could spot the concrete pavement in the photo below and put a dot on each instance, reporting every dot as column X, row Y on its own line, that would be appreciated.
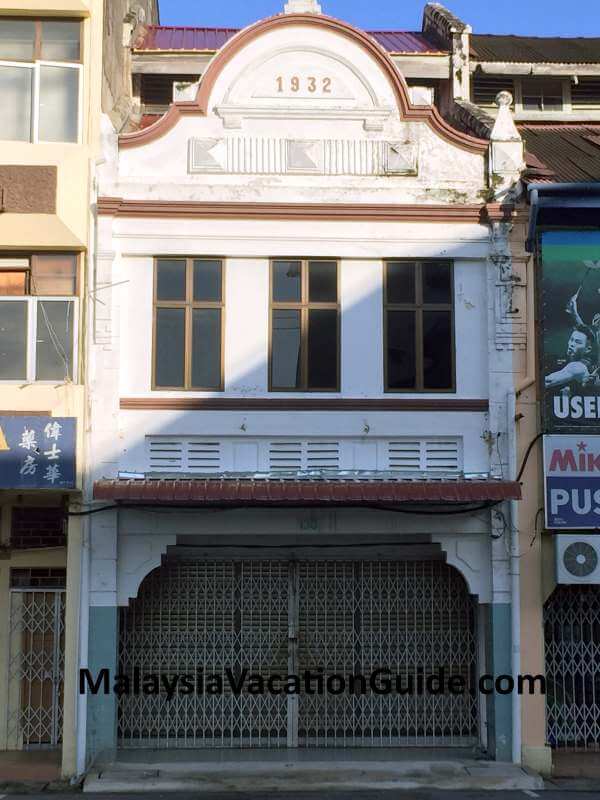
column 289, row 772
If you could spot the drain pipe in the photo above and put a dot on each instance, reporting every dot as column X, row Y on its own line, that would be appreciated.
column 515, row 577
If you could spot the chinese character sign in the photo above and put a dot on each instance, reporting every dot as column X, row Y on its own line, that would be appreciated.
column 571, row 331
column 572, row 476
column 37, row 452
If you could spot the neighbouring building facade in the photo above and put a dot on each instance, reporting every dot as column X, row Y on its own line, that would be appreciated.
column 555, row 84
column 60, row 62
column 302, row 401
column 50, row 77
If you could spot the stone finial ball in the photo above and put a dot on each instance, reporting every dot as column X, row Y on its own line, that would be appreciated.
column 504, row 99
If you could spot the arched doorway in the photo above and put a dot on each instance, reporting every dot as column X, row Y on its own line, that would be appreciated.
column 249, row 621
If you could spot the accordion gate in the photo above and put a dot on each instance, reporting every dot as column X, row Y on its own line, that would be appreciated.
column 572, row 634
column 35, row 668
column 285, row 617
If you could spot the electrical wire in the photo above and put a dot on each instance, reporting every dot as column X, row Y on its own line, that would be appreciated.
column 526, row 456
column 154, row 507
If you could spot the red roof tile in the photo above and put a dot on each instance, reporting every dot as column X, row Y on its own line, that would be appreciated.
column 272, row 492
column 167, row 38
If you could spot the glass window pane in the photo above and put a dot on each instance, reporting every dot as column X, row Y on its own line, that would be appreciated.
column 169, row 358
column 53, row 274
column 287, row 286
column 13, row 283
column 15, row 91
column 322, row 348
column 59, row 104
column 60, row 40
column 206, row 348
column 400, row 282
column 322, row 282
column 207, row 281
column 437, row 349
column 170, row 279
column 437, row 282
column 13, row 340
column 17, row 39
column 285, row 346
column 401, row 353
column 54, row 340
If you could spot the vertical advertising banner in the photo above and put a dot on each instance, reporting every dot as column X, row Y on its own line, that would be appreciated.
column 571, row 331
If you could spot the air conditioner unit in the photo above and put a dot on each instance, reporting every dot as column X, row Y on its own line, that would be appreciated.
column 577, row 558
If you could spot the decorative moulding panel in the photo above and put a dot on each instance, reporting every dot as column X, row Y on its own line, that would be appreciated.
column 274, row 156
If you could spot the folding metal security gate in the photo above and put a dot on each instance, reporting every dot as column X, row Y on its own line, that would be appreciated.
column 346, row 618
column 572, row 636
column 36, row 667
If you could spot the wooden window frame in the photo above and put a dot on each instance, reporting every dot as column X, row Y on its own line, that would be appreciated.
column 37, row 45
column 304, row 306
column 188, row 305
column 31, row 257
column 418, row 307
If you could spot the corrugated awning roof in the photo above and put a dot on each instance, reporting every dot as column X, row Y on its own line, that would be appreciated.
column 562, row 153
column 273, row 492
column 168, row 39
column 535, row 49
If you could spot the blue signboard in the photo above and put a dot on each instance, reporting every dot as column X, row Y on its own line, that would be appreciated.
column 572, row 477
column 37, row 452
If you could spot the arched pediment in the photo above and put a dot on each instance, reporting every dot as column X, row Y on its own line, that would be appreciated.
column 306, row 66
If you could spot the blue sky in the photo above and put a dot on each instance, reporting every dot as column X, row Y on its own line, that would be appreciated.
column 525, row 17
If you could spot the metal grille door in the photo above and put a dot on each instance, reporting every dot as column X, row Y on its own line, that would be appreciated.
column 280, row 617
column 411, row 618
column 572, row 636
column 209, row 616
column 36, row 668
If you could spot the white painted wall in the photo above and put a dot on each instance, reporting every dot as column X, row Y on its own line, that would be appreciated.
column 247, row 327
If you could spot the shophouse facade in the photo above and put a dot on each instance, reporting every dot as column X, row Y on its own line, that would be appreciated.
column 302, row 403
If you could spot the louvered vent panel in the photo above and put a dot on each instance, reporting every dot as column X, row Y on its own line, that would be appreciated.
column 285, row 456
column 322, row 455
column 405, row 455
column 204, row 456
column 485, row 89
column 586, row 93
column 166, row 455
column 442, row 455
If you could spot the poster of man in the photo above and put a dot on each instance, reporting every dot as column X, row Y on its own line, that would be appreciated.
column 571, row 330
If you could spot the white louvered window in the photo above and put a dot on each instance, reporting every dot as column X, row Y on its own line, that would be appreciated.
column 420, row 455
column 304, row 455
column 182, row 454
column 206, row 455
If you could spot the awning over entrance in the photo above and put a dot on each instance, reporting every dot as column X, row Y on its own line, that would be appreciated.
column 274, row 492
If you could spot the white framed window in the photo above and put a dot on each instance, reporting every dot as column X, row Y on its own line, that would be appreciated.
column 38, row 318
column 40, row 80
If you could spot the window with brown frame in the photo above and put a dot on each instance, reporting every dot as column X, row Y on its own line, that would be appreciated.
column 305, row 323
column 188, row 324
column 419, row 326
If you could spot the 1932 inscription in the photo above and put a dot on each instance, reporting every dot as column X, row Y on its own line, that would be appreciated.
column 309, row 83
